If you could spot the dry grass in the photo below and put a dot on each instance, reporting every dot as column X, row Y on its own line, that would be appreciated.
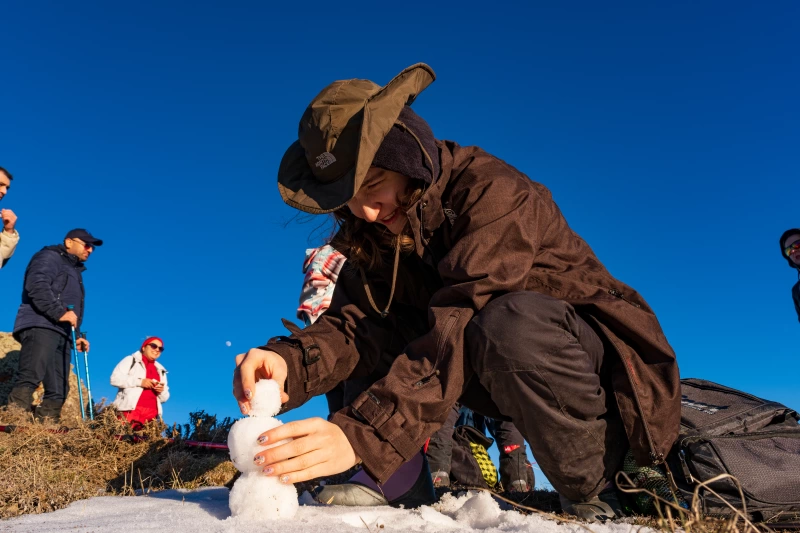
column 42, row 470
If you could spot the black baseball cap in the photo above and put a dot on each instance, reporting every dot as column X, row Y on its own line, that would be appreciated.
column 85, row 236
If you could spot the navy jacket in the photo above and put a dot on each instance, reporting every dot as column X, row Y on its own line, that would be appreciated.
column 53, row 280
column 796, row 298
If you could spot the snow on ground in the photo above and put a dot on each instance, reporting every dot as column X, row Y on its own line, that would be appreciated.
column 206, row 510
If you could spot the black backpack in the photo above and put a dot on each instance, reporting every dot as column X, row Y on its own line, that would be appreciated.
column 724, row 430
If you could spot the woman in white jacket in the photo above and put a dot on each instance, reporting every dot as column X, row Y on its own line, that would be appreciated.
column 142, row 384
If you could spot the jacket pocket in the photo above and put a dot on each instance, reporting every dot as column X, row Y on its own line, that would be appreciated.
column 441, row 346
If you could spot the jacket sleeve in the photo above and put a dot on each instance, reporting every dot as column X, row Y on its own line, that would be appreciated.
column 340, row 344
column 388, row 424
column 39, row 278
column 121, row 376
column 164, row 396
column 8, row 243
column 796, row 298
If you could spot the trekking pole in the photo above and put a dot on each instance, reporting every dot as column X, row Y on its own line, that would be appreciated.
column 88, row 382
column 77, row 367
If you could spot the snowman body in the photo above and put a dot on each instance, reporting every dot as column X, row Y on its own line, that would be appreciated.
column 255, row 495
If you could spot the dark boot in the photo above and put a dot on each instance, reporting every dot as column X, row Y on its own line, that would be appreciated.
column 49, row 409
column 22, row 397
column 398, row 490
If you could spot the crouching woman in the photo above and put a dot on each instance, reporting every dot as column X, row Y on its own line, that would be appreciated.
column 142, row 383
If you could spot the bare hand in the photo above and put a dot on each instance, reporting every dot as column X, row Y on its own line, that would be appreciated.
column 9, row 219
column 149, row 383
column 254, row 365
column 319, row 448
column 70, row 317
column 83, row 345
column 159, row 388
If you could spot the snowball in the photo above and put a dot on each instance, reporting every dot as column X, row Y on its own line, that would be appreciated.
column 258, row 497
column 481, row 511
column 266, row 398
column 243, row 441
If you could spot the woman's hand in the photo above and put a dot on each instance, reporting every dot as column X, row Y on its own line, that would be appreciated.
column 254, row 365
column 148, row 383
column 319, row 448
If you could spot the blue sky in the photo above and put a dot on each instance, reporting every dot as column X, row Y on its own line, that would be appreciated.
column 668, row 135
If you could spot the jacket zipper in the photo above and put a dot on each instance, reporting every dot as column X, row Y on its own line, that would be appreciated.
column 657, row 458
column 424, row 381
column 685, row 467
column 618, row 294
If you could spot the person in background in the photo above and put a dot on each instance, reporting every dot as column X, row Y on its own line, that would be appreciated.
column 516, row 473
column 52, row 305
column 790, row 250
column 9, row 237
column 142, row 383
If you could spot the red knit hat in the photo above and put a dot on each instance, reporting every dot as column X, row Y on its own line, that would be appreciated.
column 148, row 340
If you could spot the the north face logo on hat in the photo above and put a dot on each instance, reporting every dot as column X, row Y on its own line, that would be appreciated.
column 325, row 159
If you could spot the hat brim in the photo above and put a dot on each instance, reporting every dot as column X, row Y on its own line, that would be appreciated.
column 300, row 189
column 297, row 184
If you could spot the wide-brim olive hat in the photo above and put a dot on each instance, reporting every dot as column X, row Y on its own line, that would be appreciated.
column 339, row 134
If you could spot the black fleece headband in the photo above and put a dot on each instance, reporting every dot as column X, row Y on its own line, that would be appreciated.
column 401, row 152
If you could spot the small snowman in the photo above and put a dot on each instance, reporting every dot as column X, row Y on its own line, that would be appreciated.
column 255, row 495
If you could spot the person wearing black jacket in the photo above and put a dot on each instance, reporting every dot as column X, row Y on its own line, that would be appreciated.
column 53, row 281
column 790, row 249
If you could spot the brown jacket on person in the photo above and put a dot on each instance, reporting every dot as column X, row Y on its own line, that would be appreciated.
column 482, row 229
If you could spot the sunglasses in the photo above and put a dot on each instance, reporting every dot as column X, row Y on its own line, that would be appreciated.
column 155, row 346
column 791, row 248
column 85, row 245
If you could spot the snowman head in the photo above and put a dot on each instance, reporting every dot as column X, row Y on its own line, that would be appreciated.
column 266, row 400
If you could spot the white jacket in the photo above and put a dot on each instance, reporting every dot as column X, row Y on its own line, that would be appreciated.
column 7, row 245
column 128, row 376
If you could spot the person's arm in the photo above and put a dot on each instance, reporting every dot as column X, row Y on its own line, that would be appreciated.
column 39, row 278
column 8, row 243
column 344, row 338
column 163, row 396
column 122, row 378
column 796, row 298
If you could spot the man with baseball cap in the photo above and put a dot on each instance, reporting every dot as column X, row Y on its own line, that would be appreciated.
column 52, row 304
